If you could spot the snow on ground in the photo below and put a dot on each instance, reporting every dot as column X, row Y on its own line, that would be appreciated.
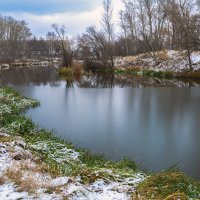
column 16, row 161
column 166, row 61
column 5, row 159
column 8, row 192
column 58, row 152
column 105, row 190
column 12, row 157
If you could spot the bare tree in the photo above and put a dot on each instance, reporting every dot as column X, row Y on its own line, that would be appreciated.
column 184, row 26
column 14, row 36
column 108, row 26
column 92, row 46
column 65, row 45
column 147, row 26
column 124, row 28
column 51, row 39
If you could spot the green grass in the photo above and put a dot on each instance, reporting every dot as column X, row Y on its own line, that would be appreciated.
column 161, row 185
column 105, row 69
column 144, row 72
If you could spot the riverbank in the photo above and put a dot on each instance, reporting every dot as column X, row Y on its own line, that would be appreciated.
column 42, row 62
column 166, row 64
column 36, row 164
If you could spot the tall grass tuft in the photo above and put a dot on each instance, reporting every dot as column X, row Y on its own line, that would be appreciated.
column 169, row 183
column 75, row 70
column 65, row 71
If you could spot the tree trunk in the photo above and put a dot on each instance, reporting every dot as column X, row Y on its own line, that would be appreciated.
column 189, row 59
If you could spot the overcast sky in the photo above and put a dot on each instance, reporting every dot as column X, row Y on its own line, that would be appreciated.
column 76, row 15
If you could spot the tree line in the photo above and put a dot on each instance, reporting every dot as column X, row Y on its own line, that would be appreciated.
column 17, row 42
column 146, row 26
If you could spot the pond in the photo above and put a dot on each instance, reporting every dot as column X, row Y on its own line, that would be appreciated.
column 158, row 127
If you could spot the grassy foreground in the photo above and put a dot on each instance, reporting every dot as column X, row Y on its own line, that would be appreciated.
column 61, row 158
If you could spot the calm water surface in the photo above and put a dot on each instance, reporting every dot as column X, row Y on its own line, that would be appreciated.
column 156, row 127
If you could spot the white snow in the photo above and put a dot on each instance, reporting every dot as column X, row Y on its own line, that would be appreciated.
column 57, row 151
column 195, row 58
column 177, row 61
column 5, row 159
column 7, row 192
column 105, row 190
column 71, row 187
column 60, row 181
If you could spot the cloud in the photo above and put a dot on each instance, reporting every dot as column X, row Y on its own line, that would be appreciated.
column 48, row 6
column 75, row 22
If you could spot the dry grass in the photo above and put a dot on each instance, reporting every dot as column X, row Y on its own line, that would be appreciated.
column 29, row 185
column 167, row 186
column 134, row 68
column 4, row 139
column 65, row 198
column 176, row 196
column 143, row 55
column 41, row 168
column 28, row 176
column 75, row 70
column 136, row 197
column 14, row 174
column 2, row 179
column 29, row 165
column 64, row 71
column 188, row 74
column 54, row 189
column 162, row 55
column 21, row 156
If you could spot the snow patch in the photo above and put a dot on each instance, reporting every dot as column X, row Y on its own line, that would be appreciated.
column 105, row 190
column 7, row 192
column 195, row 58
column 5, row 159
column 57, row 151
column 60, row 181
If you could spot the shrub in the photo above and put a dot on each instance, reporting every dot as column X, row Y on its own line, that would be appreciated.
column 77, row 70
column 167, row 184
column 64, row 71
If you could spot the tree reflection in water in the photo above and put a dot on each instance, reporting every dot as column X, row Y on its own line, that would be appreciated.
column 36, row 76
column 99, row 80
column 69, row 83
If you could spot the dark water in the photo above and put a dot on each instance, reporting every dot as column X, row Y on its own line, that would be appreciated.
column 156, row 127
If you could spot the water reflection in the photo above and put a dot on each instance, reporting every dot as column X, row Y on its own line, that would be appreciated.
column 98, row 81
column 30, row 76
column 48, row 76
